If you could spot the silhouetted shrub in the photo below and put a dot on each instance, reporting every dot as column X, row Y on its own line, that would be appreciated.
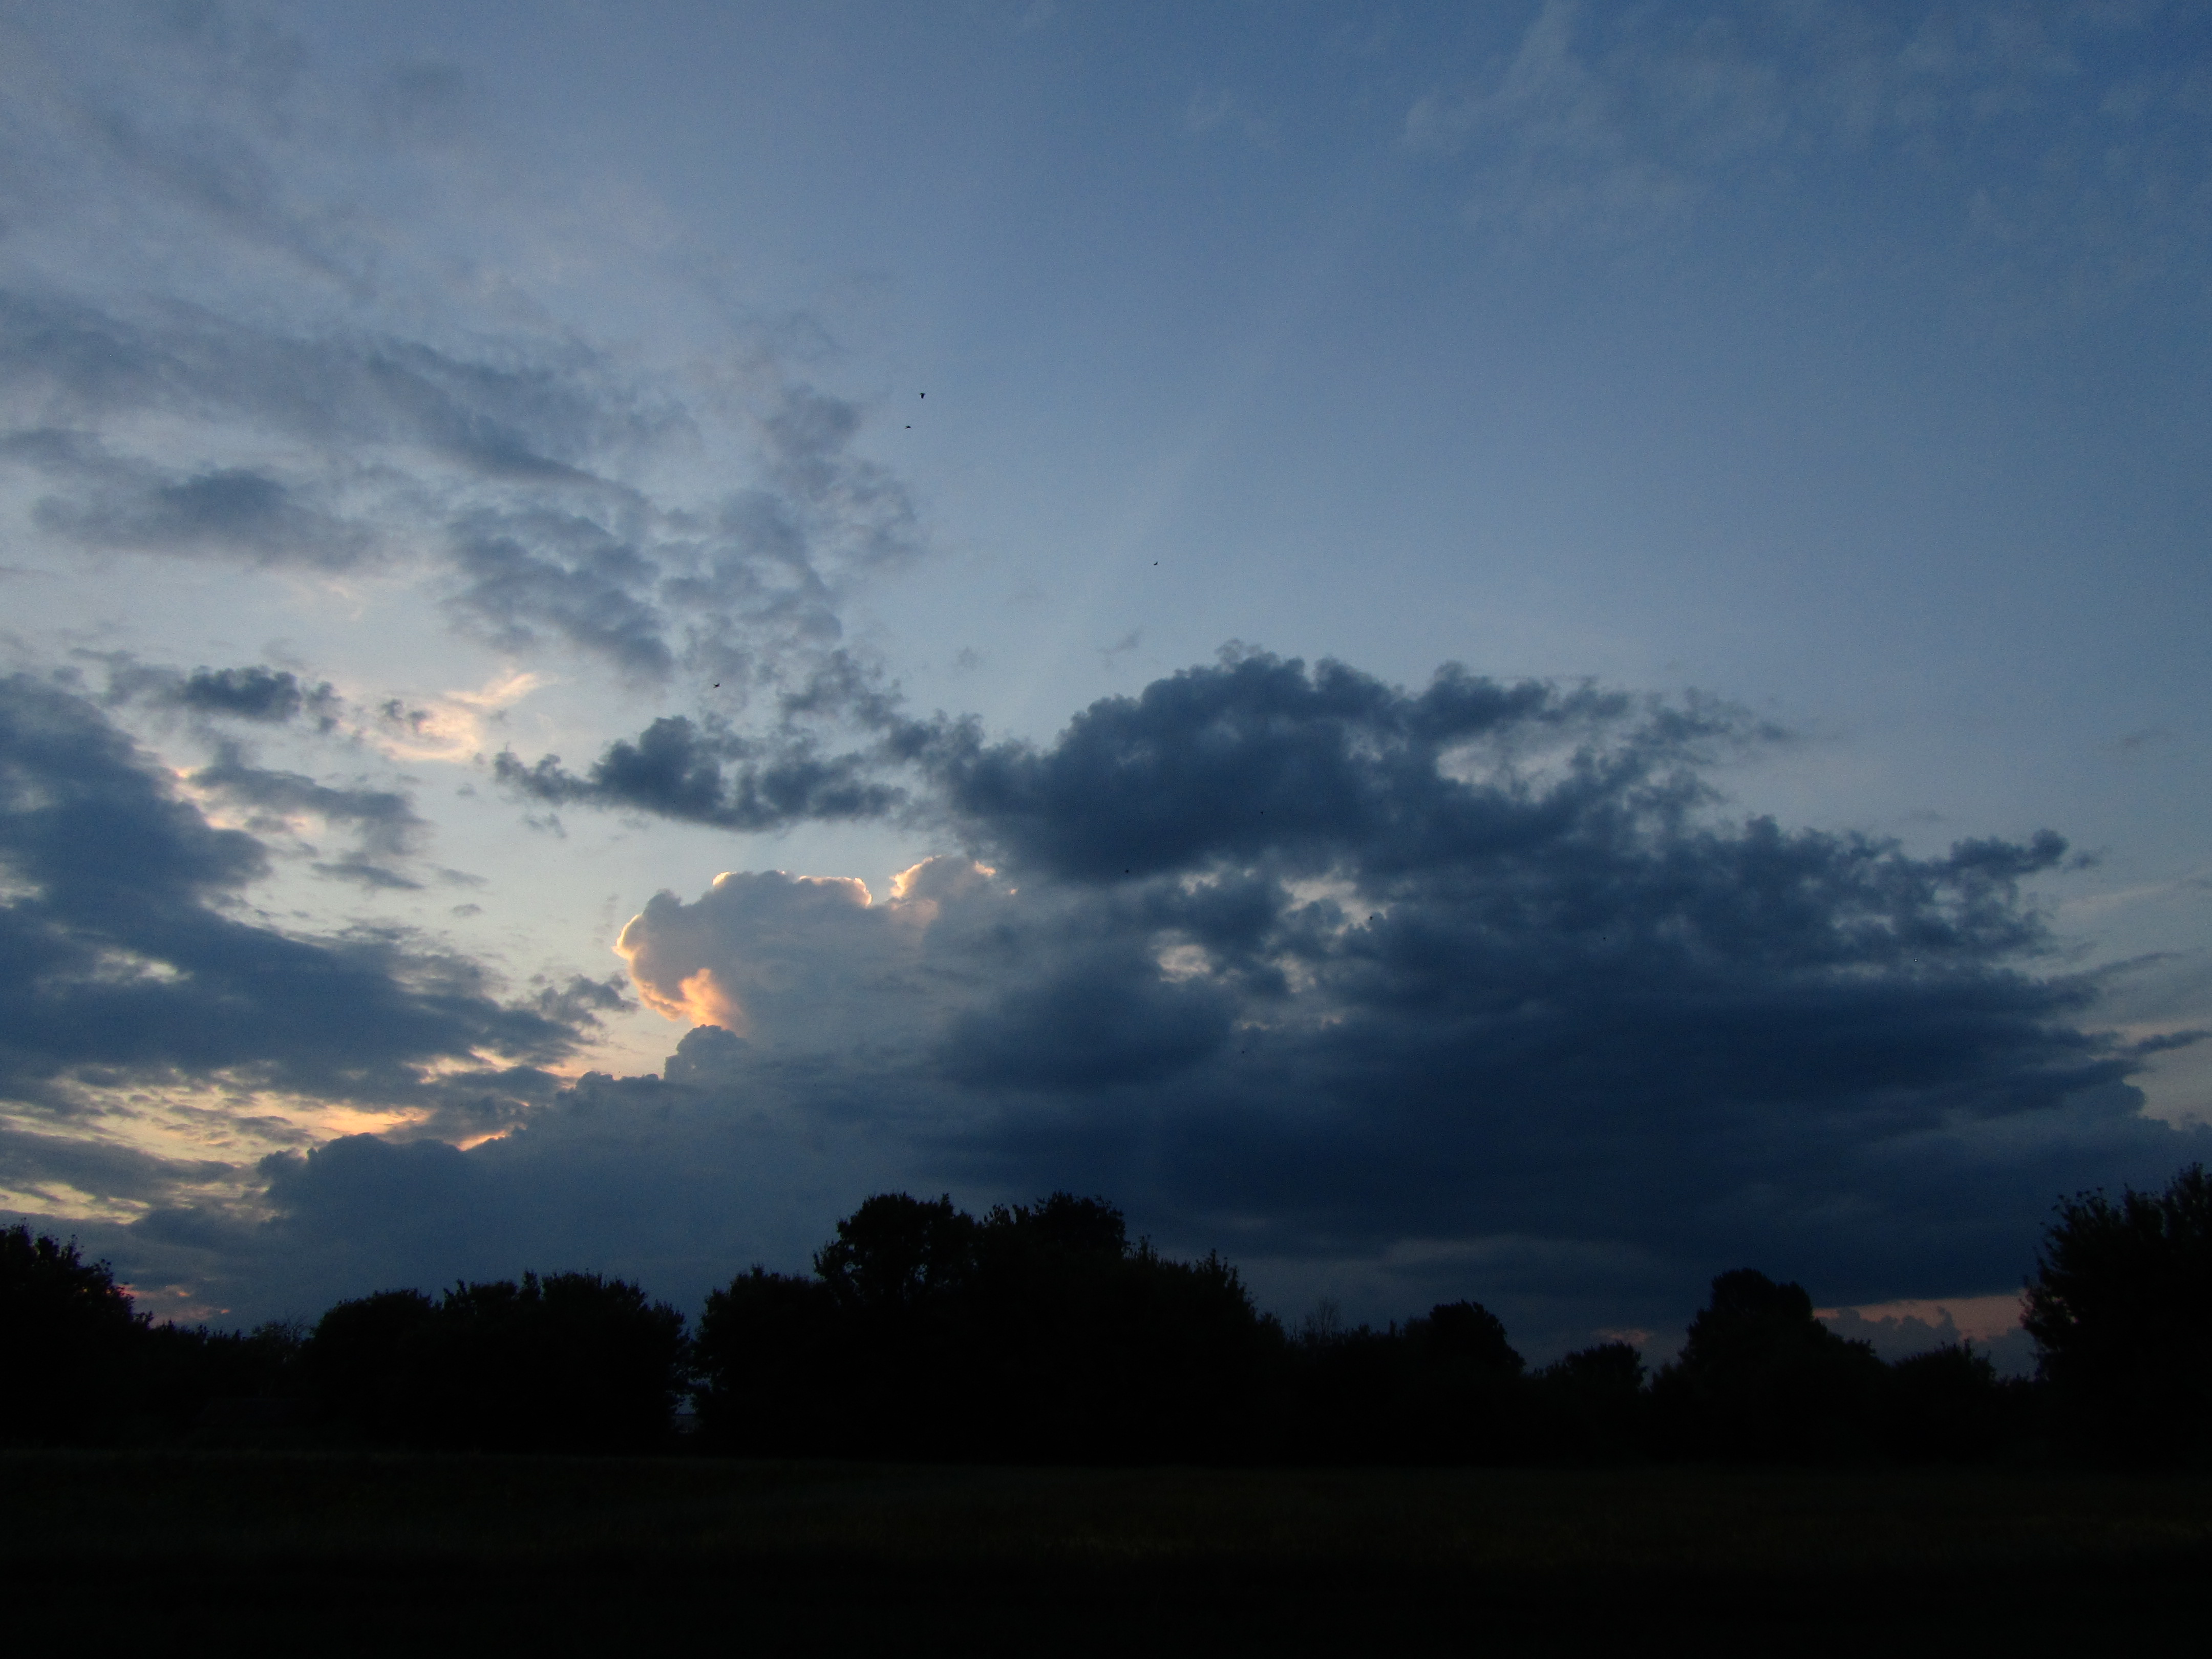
column 1759, row 1378
column 2121, row 1311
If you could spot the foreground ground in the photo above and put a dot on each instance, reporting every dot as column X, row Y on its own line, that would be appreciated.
column 329, row 1552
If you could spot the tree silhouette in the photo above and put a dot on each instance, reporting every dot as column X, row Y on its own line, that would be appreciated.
column 1760, row 1378
column 224, row 1387
column 2121, row 1311
column 1949, row 1406
column 570, row 1363
column 71, row 1335
column 773, row 1357
column 355, row 1365
column 895, row 1254
column 1589, row 1406
column 1037, row 1332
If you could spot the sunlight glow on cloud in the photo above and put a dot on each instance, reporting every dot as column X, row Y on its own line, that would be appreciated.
column 451, row 726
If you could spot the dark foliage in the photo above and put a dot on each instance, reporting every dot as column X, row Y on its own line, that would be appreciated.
column 1590, row 1407
column 1038, row 1332
column 356, row 1366
column 1042, row 1333
column 219, row 1387
column 1446, row 1389
column 1949, row 1406
column 79, row 1366
column 2121, row 1311
column 71, row 1337
column 572, row 1363
column 1759, row 1378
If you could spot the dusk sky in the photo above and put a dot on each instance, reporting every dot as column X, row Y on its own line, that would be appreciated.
column 1524, row 651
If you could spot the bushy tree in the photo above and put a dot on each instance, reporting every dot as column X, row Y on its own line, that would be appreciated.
column 1949, row 1406
column 772, row 1354
column 1039, row 1331
column 1760, row 1378
column 895, row 1254
column 1589, row 1406
column 2121, row 1311
column 356, row 1366
column 573, row 1362
column 192, row 1383
column 71, row 1339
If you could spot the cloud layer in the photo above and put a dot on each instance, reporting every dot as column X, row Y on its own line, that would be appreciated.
column 134, row 969
column 1474, row 988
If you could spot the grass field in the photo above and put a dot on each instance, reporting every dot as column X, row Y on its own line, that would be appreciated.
column 328, row 1553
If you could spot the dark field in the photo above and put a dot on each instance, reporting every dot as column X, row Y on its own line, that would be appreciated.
column 326, row 1552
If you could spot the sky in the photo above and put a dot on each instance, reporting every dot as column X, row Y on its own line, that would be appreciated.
column 1526, row 651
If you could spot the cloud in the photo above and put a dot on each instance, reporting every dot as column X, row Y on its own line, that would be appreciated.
column 238, row 512
column 268, row 694
column 1289, row 959
column 702, row 772
column 383, row 821
column 124, row 959
column 2068, row 136
column 677, row 1181
column 801, row 962
column 251, row 692
column 507, row 470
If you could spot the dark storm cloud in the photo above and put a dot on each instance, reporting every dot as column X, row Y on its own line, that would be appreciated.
column 1258, row 759
column 704, row 774
column 1096, row 1022
column 252, row 693
column 1477, row 980
column 122, row 959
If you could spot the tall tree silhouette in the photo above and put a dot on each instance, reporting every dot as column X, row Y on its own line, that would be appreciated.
column 70, row 1336
column 2121, row 1311
column 1759, row 1378
column 1037, row 1332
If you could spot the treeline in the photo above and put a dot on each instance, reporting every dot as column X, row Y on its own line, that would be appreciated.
column 1043, row 1334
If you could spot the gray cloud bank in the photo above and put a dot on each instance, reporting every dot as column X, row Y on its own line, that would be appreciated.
column 333, row 451
column 1475, row 989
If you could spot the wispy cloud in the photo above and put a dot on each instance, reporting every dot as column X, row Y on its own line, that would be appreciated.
column 2067, row 137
